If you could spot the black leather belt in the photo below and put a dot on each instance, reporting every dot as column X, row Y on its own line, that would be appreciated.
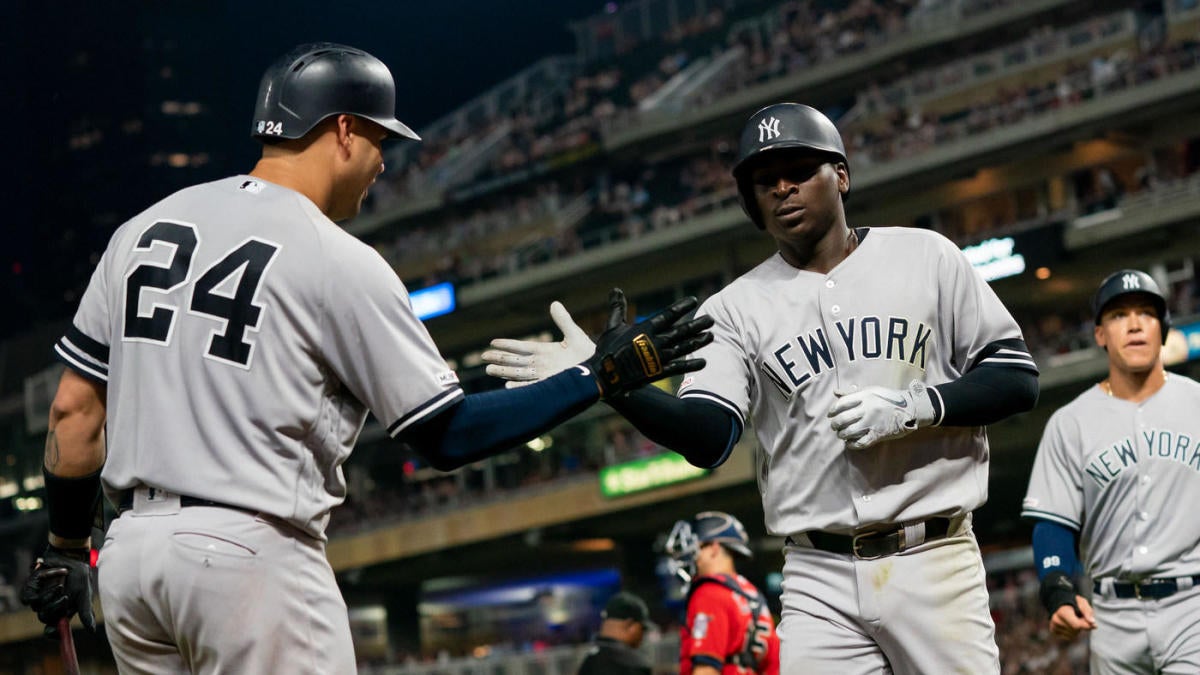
column 1153, row 589
column 877, row 544
column 127, row 503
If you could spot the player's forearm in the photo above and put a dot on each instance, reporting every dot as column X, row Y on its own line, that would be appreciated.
column 72, row 497
column 73, row 458
column 485, row 424
column 1054, row 549
column 75, row 436
column 702, row 432
column 984, row 395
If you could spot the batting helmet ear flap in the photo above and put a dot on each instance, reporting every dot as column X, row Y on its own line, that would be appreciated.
column 749, row 203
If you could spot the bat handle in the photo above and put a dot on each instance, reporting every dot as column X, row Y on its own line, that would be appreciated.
column 66, row 646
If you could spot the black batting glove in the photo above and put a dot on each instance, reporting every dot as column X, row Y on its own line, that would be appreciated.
column 60, row 585
column 1057, row 589
column 628, row 357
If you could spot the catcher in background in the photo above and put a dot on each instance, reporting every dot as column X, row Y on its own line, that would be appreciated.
column 1114, row 469
column 615, row 648
column 729, row 629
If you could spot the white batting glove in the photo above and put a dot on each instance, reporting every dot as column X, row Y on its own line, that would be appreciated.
column 523, row 362
column 875, row 414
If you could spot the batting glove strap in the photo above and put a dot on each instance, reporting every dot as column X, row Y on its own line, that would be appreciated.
column 628, row 357
column 1058, row 589
column 60, row 585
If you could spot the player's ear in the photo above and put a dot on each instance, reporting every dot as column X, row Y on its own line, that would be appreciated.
column 345, row 126
column 843, row 173
column 1101, row 338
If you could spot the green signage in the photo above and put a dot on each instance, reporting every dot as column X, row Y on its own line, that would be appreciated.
column 647, row 474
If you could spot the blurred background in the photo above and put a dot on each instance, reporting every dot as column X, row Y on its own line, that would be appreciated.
column 569, row 147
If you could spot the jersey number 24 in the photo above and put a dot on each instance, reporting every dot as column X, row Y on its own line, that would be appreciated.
column 237, row 311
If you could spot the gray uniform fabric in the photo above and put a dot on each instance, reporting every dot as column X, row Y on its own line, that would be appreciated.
column 1118, row 472
column 334, row 336
column 239, row 592
column 904, row 305
column 243, row 336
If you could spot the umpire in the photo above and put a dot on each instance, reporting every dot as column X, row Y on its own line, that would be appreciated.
column 614, row 651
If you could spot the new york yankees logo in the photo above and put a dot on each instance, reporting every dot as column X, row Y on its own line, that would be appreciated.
column 768, row 129
column 1130, row 281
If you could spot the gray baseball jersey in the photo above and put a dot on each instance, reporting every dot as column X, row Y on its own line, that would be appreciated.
column 243, row 337
column 906, row 304
column 1119, row 472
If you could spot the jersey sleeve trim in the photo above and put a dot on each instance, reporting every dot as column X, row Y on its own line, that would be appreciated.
column 939, row 405
column 1052, row 517
column 1007, row 354
column 426, row 410
column 719, row 400
column 85, row 355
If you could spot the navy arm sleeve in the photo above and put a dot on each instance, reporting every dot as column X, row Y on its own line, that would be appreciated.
column 484, row 424
column 704, row 433
column 1054, row 549
column 1003, row 382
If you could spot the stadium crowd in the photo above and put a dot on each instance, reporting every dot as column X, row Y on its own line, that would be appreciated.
column 770, row 39
column 553, row 218
column 627, row 202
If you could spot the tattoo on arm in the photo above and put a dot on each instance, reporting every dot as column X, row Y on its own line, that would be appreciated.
column 53, row 453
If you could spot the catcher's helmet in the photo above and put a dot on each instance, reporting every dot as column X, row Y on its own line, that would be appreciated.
column 782, row 126
column 687, row 537
column 1124, row 282
column 317, row 80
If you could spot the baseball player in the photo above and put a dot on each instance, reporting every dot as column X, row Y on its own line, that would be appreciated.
column 729, row 628
column 615, row 648
column 1113, row 469
column 868, row 361
column 231, row 341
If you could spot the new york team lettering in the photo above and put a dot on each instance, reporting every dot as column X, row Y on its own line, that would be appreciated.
column 1152, row 443
column 870, row 337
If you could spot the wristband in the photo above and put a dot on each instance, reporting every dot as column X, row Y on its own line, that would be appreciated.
column 1057, row 590
column 71, row 504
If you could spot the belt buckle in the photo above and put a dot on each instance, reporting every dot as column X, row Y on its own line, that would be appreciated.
column 855, row 543
column 1137, row 590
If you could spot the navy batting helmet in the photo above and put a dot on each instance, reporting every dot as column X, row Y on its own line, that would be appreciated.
column 317, row 80
column 782, row 126
column 1124, row 282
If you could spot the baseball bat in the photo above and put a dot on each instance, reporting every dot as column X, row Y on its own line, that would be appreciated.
column 66, row 646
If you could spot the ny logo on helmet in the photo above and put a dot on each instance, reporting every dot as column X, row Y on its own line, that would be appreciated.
column 1131, row 281
column 768, row 129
